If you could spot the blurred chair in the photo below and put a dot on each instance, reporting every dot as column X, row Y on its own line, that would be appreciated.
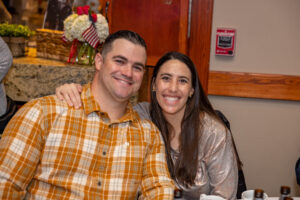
column 297, row 169
column 11, row 110
column 241, row 178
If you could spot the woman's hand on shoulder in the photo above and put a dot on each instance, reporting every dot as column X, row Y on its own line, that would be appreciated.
column 70, row 93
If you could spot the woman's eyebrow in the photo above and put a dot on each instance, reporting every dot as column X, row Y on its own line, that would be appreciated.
column 165, row 74
column 168, row 74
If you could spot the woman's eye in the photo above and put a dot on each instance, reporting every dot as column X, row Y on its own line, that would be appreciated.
column 183, row 81
column 165, row 78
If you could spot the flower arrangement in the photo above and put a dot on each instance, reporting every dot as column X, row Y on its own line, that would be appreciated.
column 87, row 28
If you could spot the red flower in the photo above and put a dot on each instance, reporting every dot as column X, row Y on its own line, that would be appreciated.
column 84, row 10
column 94, row 16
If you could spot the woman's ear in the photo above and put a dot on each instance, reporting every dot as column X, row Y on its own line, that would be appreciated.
column 98, row 61
column 153, row 86
column 191, row 92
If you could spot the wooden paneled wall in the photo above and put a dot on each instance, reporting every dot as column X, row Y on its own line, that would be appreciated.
column 200, row 38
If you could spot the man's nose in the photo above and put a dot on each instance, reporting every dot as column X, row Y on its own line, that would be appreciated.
column 127, row 70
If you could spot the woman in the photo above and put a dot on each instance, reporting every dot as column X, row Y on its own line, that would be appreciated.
column 199, row 150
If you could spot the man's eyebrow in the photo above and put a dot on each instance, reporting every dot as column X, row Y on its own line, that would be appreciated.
column 124, row 58
column 120, row 57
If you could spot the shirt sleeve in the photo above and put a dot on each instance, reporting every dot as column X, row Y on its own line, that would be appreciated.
column 156, row 181
column 222, row 164
column 5, row 59
column 20, row 149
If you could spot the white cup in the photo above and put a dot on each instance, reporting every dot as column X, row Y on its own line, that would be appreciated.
column 210, row 197
column 248, row 195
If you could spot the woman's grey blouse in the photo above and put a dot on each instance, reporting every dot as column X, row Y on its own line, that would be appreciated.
column 217, row 167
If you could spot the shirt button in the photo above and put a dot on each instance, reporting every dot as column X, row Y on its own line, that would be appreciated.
column 99, row 183
column 104, row 153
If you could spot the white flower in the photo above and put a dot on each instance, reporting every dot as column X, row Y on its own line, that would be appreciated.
column 80, row 24
column 75, row 25
column 101, row 27
column 68, row 25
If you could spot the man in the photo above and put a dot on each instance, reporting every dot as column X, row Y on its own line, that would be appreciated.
column 5, row 16
column 57, row 12
column 100, row 151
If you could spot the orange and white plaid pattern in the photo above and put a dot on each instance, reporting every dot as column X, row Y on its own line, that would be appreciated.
column 52, row 151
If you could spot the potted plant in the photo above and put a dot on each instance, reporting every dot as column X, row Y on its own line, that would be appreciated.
column 15, row 36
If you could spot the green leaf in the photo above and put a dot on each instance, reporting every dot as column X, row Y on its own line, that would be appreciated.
column 15, row 30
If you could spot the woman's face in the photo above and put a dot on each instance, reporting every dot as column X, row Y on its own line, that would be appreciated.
column 173, row 86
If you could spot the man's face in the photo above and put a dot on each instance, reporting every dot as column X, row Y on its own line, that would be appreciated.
column 121, row 71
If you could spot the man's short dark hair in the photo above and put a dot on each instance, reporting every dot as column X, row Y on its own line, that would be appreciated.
column 122, row 34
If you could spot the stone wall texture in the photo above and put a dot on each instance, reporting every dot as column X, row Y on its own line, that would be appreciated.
column 30, row 78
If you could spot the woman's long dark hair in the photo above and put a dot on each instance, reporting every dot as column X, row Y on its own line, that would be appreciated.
column 185, row 168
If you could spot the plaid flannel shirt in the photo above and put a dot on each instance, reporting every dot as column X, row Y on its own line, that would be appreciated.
column 52, row 151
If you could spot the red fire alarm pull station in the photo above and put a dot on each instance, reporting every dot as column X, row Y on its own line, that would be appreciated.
column 225, row 41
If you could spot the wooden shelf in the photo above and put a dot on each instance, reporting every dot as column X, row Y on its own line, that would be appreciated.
column 254, row 85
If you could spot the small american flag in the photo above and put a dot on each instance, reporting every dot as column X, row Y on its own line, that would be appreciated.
column 64, row 38
column 90, row 35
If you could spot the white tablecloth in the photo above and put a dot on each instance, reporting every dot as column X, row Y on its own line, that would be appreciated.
column 276, row 198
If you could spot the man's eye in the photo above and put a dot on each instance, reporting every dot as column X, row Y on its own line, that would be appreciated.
column 138, row 68
column 119, row 61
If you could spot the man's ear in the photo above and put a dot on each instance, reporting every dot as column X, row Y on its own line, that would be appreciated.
column 98, row 61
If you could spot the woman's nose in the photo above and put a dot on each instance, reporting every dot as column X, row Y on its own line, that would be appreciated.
column 173, row 86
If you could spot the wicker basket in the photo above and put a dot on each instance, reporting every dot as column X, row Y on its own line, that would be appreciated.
column 49, row 44
column 16, row 45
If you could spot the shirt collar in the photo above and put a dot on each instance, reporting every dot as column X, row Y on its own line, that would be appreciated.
column 90, row 105
column 88, row 100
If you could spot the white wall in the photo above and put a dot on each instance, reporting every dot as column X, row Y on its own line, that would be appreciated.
column 268, row 35
column 267, row 132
